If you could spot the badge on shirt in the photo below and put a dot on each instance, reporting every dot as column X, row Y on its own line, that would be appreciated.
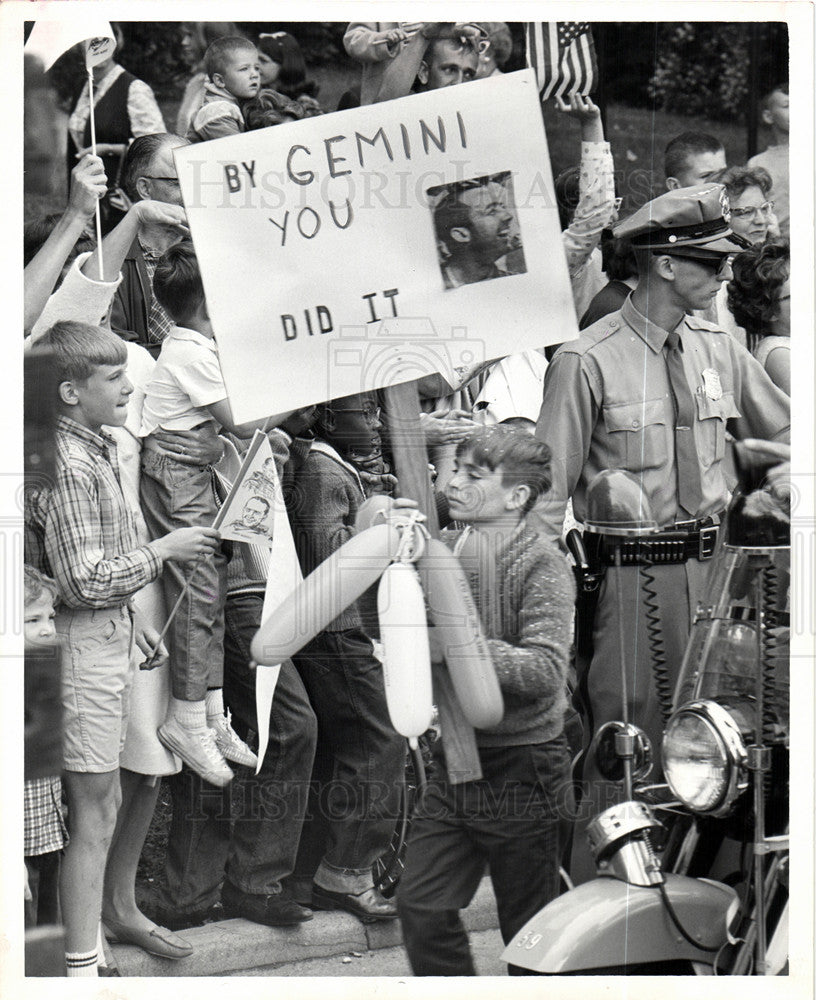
column 711, row 381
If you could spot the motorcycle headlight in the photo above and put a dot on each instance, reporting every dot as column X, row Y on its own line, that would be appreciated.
column 704, row 758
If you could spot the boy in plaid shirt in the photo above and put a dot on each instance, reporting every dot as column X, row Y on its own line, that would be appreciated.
column 79, row 530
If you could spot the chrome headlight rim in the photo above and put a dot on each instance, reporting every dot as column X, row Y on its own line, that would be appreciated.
column 731, row 742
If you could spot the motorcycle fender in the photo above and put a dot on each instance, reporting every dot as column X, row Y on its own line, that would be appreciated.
column 607, row 922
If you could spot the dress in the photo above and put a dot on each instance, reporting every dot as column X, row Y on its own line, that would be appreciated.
column 768, row 345
column 607, row 405
column 509, row 818
column 142, row 752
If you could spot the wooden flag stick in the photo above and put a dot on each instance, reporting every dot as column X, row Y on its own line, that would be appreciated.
column 411, row 460
column 93, row 150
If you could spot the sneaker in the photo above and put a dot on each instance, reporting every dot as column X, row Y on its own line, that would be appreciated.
column 230, row 744
column 197, row 749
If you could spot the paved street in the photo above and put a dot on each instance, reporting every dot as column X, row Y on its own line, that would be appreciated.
column 486, row 947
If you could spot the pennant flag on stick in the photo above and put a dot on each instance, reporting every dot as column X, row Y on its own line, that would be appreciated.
column 49, row 39
column 562, row 53
column 248, row 512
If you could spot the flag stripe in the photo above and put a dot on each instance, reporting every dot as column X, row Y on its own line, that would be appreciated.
column 563, row 57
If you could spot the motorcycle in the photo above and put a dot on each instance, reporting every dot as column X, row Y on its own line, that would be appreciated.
column 692, row 874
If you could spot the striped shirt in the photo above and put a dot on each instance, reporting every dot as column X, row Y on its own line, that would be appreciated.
column 83, row 530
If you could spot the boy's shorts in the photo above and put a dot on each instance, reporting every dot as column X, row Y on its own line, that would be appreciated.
column 97, row 675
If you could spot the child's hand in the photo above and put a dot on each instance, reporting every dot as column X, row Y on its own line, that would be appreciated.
column 187, row 545
column 146, row 639
column 199, row 447
column 587, row 112
column 88, row 184
column 578, row 106
column 160, row 213
column 446, row 427
column 395, row 36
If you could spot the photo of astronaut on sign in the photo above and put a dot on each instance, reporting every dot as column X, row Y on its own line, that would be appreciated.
column 477, row 231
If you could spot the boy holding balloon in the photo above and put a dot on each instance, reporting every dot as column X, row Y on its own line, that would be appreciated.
column 509, row 818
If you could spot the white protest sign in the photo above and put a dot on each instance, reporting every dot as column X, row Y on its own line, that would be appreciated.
column 367, row 247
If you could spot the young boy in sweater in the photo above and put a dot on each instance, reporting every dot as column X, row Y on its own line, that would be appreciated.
column 508, row 819
column 233, row 76
column 80, row 532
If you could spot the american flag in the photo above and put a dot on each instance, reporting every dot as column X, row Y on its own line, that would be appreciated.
column 562, row 53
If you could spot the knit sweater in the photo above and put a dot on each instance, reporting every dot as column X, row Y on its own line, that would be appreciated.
column 323, row 507
column 525, row 601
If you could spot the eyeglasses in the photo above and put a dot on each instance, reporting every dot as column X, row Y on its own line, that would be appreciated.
column 717, row 267
column 370, row 413
column 153, row 177
column 753, row 212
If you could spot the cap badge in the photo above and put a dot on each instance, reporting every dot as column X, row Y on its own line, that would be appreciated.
column 711, row 381
column 725, row 205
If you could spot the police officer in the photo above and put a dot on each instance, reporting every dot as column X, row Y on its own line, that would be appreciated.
column 650, row 389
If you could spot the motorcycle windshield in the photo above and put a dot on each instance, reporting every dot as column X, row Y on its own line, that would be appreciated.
column 739, row 651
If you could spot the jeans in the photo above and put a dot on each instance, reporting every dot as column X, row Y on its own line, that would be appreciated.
column 268, row 808
column 509, row 820
column 181, row 496
column 359, row 765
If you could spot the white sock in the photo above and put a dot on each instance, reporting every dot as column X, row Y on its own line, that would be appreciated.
column 214, row 700
column 101, row 960
column 189, row 714
column 81, row 963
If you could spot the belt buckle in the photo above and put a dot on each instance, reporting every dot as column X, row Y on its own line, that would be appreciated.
column 708, row 541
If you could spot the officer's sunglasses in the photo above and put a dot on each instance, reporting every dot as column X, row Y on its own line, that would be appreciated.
column 717, row 267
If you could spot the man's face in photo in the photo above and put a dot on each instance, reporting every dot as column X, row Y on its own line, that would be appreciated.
column 490, row 221
column 254, row 512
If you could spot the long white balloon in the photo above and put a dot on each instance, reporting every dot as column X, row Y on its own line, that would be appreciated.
column 453, row 612
column 336, row 583
column 406, row 655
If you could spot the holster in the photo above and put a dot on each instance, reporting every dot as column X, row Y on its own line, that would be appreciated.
column 589, row 572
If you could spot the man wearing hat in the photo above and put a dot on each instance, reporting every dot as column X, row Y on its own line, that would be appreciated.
column 649, row 389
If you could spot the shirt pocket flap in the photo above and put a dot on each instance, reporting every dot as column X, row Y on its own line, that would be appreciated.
column 725, row 407
column 634, row 416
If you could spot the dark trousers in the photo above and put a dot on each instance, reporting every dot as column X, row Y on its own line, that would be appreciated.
column 359, row 764
column 260, row 849
column 507, row 820
column 43, row 881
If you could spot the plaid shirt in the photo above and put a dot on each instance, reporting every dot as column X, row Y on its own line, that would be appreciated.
column 44, row 827
column 159, row 324
column 81, row 531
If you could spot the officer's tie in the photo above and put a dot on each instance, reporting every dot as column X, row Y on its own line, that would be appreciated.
column 689, row 490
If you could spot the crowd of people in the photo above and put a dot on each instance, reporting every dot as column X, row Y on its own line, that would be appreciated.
column 684, row 309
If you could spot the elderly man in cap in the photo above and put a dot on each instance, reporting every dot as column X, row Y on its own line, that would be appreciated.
column 650, row 389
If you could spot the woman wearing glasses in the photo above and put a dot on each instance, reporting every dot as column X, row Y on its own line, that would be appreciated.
column 759, row 297
column 748, row 189
column 751, row 217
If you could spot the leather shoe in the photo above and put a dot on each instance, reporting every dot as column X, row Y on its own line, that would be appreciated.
column 176, row 921
column 157, row 941
column 368, row 906
column 274, row 910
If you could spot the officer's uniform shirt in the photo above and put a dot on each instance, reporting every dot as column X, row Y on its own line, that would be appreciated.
column 608, row 405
